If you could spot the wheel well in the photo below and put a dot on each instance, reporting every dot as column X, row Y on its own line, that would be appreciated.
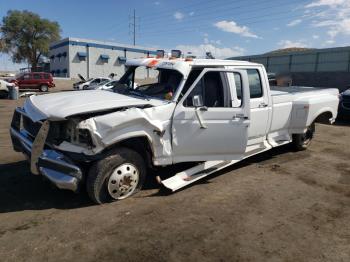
column 139, row 144
column 324, row 117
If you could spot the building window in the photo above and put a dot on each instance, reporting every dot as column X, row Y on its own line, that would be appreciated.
column 59, row 56
column 81, row 56
column 121, row 60
column 104, row 58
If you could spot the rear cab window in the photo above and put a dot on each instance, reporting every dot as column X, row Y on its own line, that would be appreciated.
column 255, row 84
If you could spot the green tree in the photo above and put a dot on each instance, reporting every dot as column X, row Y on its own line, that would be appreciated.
column 26, row 36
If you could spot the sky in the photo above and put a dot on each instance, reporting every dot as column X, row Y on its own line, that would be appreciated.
column 227, row 28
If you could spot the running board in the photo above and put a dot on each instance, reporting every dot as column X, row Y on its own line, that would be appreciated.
column 193, row 174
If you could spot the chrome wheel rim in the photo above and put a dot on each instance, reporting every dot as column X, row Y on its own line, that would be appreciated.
column 308, row 135
column 123, row 181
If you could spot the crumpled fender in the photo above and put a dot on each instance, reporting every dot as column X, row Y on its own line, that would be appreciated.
column 153, row 123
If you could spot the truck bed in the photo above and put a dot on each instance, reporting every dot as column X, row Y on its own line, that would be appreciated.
column 292, row 93
column 295, row 107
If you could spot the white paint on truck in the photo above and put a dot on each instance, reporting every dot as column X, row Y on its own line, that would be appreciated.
column 218, row 112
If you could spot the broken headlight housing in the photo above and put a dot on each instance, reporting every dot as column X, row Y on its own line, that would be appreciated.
column 78, row 136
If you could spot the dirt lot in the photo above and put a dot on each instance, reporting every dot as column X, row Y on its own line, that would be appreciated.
column 278, row 206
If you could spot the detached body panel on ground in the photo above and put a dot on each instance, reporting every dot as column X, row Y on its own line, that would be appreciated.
column 213, row 112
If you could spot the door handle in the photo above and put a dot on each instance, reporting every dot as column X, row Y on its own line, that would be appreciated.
column 262, row 105
column 240, row 116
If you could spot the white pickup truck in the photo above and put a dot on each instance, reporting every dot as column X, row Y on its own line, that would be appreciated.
column 212, row 113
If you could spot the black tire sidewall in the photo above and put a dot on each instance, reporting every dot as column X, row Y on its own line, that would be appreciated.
column 298, row 141
column 101, row 171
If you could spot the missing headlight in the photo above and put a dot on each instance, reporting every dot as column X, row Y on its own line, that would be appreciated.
column 84, row 137
column 78, row 136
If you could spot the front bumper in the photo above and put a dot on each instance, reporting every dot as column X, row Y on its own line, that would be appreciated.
column 52, row 164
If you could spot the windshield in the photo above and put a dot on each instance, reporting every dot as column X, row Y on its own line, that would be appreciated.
column 112, row 83
column 149, row 82
column 103, row 82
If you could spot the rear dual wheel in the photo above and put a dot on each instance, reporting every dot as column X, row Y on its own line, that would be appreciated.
column 302, row 141
column 119, row 175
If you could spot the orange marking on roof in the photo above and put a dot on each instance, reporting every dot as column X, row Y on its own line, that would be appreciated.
column 152, row 63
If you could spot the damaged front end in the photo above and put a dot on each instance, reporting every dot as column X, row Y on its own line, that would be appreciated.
column 31, row 138
column 61, row 145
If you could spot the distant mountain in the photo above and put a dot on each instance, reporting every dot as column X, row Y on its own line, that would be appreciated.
column 289, row 50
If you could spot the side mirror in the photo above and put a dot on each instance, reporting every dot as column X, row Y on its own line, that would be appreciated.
column 197, row 101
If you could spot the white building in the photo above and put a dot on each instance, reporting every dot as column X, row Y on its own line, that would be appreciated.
column 90, row 58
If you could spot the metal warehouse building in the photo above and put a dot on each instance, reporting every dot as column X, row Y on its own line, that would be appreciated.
column 314, row 67
column 72, row 56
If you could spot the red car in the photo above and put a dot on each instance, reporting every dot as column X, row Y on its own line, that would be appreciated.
column 35, row 80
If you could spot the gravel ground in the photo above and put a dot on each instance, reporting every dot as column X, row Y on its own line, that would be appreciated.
column 277, row 206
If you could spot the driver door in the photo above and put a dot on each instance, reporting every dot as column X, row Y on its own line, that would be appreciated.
column 209, row 122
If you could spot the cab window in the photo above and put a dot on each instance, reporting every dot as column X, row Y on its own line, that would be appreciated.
column 255, row 84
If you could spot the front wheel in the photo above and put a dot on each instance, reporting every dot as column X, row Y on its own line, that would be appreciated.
column 302, row 141
column 119, row 175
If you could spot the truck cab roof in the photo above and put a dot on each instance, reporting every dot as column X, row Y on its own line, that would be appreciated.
column 184, row 65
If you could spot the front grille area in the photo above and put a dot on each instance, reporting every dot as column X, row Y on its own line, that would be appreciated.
column 56, row 132
column 30, row 126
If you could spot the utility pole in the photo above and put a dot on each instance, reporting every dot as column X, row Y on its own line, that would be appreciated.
column 132, row 26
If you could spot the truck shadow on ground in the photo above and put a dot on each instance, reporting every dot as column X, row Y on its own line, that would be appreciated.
column 21, row 190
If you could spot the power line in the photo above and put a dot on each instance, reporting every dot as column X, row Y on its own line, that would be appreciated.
column 214, row 9
column 132, row 26
column 204, row 17
column 158, row 16
column 171, row 33
column 244, row 22
column 121, row 24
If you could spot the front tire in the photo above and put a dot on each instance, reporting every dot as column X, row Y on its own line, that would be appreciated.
column 302, row 141
column 119, row 175
column 44, row 88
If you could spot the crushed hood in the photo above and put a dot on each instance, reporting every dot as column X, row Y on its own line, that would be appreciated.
column 58, row 106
